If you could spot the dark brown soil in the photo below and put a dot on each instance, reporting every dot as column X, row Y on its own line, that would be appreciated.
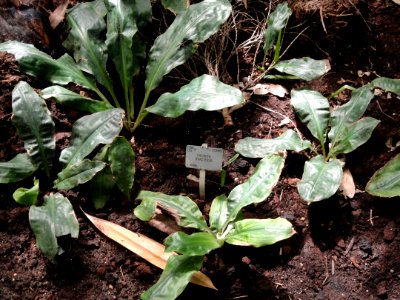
column 343, row 249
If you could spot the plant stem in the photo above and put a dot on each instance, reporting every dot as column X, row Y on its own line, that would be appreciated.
column 345, row 87
column 278, row 47
column 142, row 112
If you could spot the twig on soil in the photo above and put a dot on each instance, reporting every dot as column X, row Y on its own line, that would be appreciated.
column 371, row 217
column 321, row 15
column 326, row 271
column 349, row 246
column 380, row 108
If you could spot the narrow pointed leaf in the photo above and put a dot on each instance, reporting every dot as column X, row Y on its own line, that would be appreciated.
column 386, row 181
column 122, row 164
column 218, row 212
column 79, row 173
column 188, row 212
column 101, row 187
column 27, row 196
column 312, row 108
column 320, row 180
column 53, row 219
column 260, row 232
column 204, row 92
column 37, row 63
column 35, row 125
column 258, row 187
column 175, row 278
column 198, row 243
column 90, row 131
column 74, row 100
column 387, row 84
column 354, row 135
column 304, row 68
column 259, row 148
column 17, row 169
column 194, row 25
column 143, row 246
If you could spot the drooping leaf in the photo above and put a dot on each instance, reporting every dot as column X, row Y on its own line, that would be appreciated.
column 74, row 100
column 175, row 277
column 143, row 13
column 258, row 187
column 178, row 42
column 387, row 84
column 76, row 174
column 320, row 180
column 90, row 131
column 86, row 41
column 143, row 246
column 304, row 68
column 312, row 108
column 35, row 125
column 277, row 20
column 198, row 243
column 122, row 164
column 101, row 187
column 37, row 63
column 204, row 92
column 17, row 169
column 353, row 135
column 218, row 212
column 54, row 219
column 259, row 232
column 27, row 196
column 182, row 206
column 386, row 181
column 259, row 148
column 176, row 6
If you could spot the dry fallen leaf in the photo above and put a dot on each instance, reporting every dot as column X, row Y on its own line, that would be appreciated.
column 347, row 185
column 57, row 16
column 274, row 89
column 143, row 246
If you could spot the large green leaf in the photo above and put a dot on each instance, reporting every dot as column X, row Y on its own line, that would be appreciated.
column 386, row 181
column 178, row 42
column 79, row 173
column 101, row 187
column 54, row 219
column 204, row 92
column 86, row 40
column 198, row 243
column 188, row 212
column 218, row 212
column 320, row 180
column 74, row 100
column 304, row 68
column 277, row 20
column 35, row 125
column 174, row 278
column 258, row 187
column 90, row 131
column 259, row 148
column 17, row 169
column 143, row 13
column 37, row 63
column 122, row 163
column 259, row 232
column 312, row 108
column 387, row 84
column 27, row 196
column 353, row 135
column 350, row 112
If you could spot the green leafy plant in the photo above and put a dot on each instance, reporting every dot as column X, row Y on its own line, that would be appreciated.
column 338, row 132
column 226, row 224
column 36, row 128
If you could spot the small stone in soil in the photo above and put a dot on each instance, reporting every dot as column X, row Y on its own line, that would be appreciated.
column 389, row 233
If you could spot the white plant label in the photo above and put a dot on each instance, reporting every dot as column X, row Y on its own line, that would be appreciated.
column 198, row 157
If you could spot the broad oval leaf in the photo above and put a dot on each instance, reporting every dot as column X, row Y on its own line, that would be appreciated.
column 198, row 243
column 27, row 196
column 90, row 131
column 304, row 68
column 101, row 187
column 79, row 173
column 74, row 100
column 194, row 25
column 387, row 84
column 386, row 181
column 312, row 108
column 320, row 180
column 37, row 63
column 204, row 92
column 53, row 219
column 353, row 135
column 183, row 207
column 17, row 169
column 218, row 212
column 258, row 187
column 259, row 148
column 260, row 232
column 35, row 125
column 122, row 164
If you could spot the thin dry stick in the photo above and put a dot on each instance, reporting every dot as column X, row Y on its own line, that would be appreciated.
column 321, row 15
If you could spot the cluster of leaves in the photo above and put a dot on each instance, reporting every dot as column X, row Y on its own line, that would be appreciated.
column 226, row 224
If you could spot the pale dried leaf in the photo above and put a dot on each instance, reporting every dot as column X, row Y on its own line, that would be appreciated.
column 269, row 88
column 57, row 16
column 347, row 186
